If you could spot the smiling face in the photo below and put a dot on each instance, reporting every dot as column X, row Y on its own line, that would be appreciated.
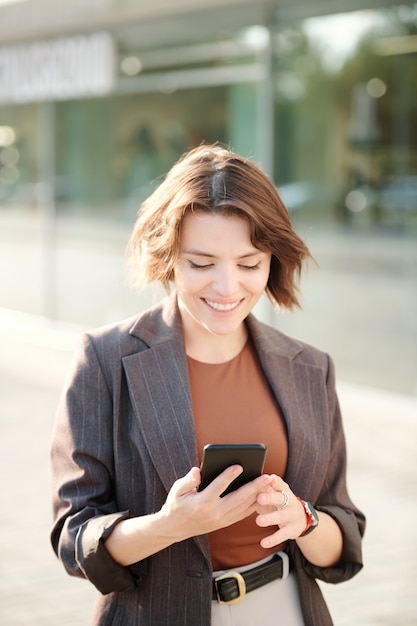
column 219, row 277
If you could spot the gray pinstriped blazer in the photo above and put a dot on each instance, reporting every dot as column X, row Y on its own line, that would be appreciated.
column 124, row 433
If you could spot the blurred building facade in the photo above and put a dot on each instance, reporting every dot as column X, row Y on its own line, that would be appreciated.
column 99, row 97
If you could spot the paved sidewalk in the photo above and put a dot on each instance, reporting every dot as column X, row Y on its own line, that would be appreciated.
column 381, row 431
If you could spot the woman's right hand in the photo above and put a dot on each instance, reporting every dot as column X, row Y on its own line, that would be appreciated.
column 192, row 512
column 186, row 513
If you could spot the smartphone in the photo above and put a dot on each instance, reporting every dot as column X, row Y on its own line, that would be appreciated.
column 218, row 456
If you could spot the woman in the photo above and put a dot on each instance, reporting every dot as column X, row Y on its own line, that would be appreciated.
column 146, row 395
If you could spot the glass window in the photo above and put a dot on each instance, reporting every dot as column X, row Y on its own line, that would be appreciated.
column 111, row 153
column 18, row 156
column 346, row 120
column 346, row 164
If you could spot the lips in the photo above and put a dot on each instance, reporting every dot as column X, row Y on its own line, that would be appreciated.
column 218, row 306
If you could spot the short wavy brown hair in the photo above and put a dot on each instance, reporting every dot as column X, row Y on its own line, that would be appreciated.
column 213, row 179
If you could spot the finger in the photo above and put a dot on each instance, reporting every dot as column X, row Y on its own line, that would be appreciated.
column 266, row 499
column 278, row 483
column 263, row 510
column 273, row 540
column 187, row 483
column 278, row 498
column 257, row 485
column 270, row 517
column 246, row 496
column 223, row 480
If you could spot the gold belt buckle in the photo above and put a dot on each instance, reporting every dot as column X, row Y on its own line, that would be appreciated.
column 240, row 583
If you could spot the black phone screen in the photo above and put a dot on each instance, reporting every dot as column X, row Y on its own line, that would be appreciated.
column 217, row 457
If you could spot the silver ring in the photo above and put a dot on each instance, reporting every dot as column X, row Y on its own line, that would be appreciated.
column 286, row 500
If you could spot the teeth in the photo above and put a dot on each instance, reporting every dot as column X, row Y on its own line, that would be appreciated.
column 222, row 307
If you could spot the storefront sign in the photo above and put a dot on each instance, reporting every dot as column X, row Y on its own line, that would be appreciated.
column 62, row 69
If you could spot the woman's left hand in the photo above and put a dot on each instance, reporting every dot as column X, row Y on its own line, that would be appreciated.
column 280, row 507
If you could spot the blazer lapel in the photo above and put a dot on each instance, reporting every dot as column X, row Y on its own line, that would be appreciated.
column 158, row 382
column 301, row 393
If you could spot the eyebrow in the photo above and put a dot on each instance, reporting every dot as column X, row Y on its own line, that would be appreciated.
column 213, row 256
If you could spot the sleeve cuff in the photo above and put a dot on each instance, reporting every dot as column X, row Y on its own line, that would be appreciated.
column 351, row 562
column 95, row 561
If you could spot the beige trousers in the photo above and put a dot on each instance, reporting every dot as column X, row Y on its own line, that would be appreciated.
column 275, row 604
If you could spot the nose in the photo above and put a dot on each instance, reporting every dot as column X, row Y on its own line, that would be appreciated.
column 226, row 281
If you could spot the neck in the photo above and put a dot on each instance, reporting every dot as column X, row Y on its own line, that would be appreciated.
column 215, row 348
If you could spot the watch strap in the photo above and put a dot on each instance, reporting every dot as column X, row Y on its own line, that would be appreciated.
column 312, row 518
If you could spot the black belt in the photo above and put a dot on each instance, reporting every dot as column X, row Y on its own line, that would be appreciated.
column 231, row 588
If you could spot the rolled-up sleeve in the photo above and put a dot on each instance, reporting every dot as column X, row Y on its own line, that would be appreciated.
column 334, row 500
column 95, row 561
column 82, row 470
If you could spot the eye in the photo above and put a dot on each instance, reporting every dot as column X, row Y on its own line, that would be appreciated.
column 197, row 266
column 250, row 267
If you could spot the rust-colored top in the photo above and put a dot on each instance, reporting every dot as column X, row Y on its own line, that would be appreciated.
column 233, row 403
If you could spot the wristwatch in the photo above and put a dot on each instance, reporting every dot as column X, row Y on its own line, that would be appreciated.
column 312, row 517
